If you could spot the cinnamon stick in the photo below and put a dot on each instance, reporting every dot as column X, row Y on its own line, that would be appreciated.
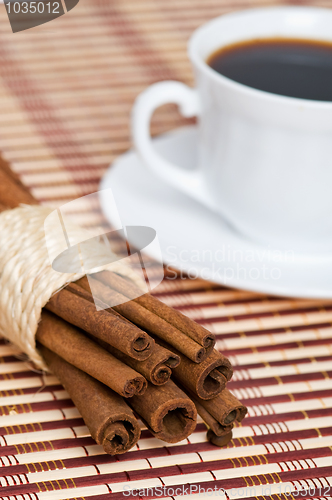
column 166, row 420
column 86, row 295
column 211, row 422
column 207, row 379
column 3, row 208
column 74, row 347
column 145, row 319
column 102, row 324
column 178, row 320
column 157, row 369
column 219, row 440
column 225, row 408
column 167, row 411
column 12, row 191
column 111, row 422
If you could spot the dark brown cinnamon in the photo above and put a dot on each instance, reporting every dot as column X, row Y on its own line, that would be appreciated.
column 175, row 318
column 167, row 411
column 74, row 347
column 219, row 440
column 225, row 408
column 145, row 319
column 110, row 420
column 102, row 324
column 157, row 369
column 12, row 191
column 210, row 421
column 87, row 295
column 207, row 379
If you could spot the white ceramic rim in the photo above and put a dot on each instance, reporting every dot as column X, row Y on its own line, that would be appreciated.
column 202, row 65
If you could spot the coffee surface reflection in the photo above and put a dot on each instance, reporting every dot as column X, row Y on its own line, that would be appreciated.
column 288, row 67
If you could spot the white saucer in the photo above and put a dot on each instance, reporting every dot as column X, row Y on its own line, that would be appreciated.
column 199, row 242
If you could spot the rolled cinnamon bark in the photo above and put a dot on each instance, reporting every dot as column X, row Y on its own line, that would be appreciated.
column 167, row 411
column 102, row 324
column 207, row 379
column 225, row 408
column 87, row 295
column 3, row 208
column 145, row 319
column 157, row 369
column 74, row 347
column 211, row 422
column 111, row 422
column 221, row 440
column 175, row 318
column 12, row 191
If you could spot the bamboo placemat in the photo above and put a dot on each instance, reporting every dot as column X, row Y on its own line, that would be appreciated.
column 66, row 90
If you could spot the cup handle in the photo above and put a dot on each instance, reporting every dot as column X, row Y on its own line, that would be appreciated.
column 190, row 182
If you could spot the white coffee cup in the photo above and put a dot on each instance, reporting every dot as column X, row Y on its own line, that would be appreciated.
column 265, row 160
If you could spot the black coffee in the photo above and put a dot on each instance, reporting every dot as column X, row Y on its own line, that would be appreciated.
column 289, row 67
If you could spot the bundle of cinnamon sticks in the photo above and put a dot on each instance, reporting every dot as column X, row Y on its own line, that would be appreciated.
column 138, row 359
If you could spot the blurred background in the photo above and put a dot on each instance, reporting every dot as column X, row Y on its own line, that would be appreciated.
column 66, row 91
column 67, row 87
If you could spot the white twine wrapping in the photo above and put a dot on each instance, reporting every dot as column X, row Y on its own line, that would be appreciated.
column 27, row 280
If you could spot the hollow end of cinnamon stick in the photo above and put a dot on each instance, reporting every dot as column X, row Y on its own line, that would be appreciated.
column 193, row 330
column 230, row 417
column 207, row 379
column 238, row 410
column 109, row 419
column 144, row 318
column 173, row 360
column 166, row 410
column 241, row 412
column 160, row 375
column 162, row 371
column 157, row 368
column 210, row 421
column 177, row 423
column 219, row 440
column 225, row 408
column 120, row 437
column 137, row 386
column 79, row 310
column 201, row 354
column 210, row 384
column 71, row 344
column 142, row 344
column 208, row 341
